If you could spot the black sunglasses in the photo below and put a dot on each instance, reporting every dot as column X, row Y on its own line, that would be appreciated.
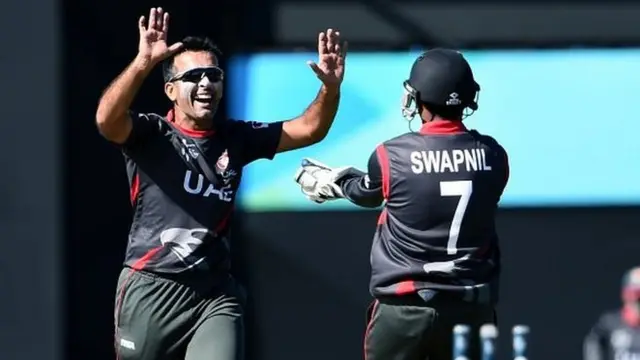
column 213, row 73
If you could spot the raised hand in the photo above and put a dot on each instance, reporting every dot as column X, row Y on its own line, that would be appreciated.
column 332, row 52
column 153, row 37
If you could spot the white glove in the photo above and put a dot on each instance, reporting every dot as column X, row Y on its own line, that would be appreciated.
column 318, row 181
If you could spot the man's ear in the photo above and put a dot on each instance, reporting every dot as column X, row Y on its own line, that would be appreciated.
column 171, row 91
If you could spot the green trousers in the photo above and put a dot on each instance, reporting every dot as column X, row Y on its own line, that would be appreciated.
column 160, row 318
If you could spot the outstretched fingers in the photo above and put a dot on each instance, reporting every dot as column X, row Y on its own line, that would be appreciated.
column 165, row 23
column 315, row 68
column 322, row 44
column 141, row 24
column 153, row 14
column 158, row 20
column 331, row 40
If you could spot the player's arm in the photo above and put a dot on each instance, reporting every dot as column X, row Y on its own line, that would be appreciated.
column 313, row 125
column 506, row 169
column 594, row 346
column 112, row 116
column 364, row 190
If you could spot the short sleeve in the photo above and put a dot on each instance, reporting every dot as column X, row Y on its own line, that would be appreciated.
column 506, row 164
column 260, row 140
column 595, row 345
column 144, row 127
column 500, row 152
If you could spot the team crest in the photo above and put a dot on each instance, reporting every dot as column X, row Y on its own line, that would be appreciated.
column 223, row 163
column 222, row 168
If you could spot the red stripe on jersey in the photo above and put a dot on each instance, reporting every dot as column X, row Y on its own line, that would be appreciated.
column 443, row 127
column 135, row 188
column 382, row 219
column 189, row 132
column 406, row 287
column 139, row 265
column 383, row 159
column 224, row 222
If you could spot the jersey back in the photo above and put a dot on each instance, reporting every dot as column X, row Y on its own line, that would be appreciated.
column 437, row 230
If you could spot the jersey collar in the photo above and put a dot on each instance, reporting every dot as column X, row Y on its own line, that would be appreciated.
column 442, row 127
column 188, row 132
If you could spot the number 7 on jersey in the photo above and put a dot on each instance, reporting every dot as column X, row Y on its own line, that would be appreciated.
column 462, row 189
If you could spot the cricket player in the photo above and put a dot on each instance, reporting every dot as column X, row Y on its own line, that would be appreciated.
column 175, row 297
column 616, row 335
column 435, row 258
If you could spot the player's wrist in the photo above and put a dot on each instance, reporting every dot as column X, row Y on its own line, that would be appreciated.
column 330, row 90
column 143, row 64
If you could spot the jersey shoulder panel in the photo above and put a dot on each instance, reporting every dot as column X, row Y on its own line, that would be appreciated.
column 401, row 139
column 161, row 122
column 487, row 140
column 610, row 319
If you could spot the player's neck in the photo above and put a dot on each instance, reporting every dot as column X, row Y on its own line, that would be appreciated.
column 438, row 119
column 631, row 314
column 185, row 122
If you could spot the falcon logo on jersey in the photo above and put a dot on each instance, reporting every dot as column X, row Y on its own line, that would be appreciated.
column 183, row 242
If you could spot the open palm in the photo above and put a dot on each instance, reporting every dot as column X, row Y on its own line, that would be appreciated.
column 332, row 52
column 153, row 36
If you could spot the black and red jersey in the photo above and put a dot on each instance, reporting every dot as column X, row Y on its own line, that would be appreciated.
column 441, row 187
column 182, row 212
column 615, row 336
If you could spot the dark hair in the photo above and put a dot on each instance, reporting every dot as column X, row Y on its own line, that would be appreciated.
column 445, row 112
column 190, row 43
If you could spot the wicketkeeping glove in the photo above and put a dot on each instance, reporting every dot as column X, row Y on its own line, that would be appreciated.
column 318, row 181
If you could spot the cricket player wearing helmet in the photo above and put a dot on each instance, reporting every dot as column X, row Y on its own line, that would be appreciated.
column 435, row 258
column 616, row 335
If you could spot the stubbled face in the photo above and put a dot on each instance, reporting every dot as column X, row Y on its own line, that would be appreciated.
column 197, row 86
